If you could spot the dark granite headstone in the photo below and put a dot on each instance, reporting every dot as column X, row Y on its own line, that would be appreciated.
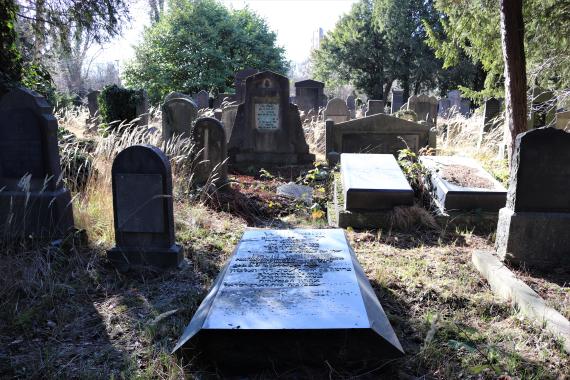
column 33, row 200
column 202, row 99
column 491, row 112
column 309, row 94
column 211, row 164
column 178, row 115
column 143, row 211
column 336, row 110
column 266, row 129
column 375, row 107
column 534, row 227
column 239, row 82
column 142, row 108
column 425, row 107
column 93, row 104
column 397, row 100
column 351, row 102
column 288, row 298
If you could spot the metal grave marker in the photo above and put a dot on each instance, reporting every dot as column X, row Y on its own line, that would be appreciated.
column 290, row 296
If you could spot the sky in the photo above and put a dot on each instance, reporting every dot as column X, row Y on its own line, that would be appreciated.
column 293, row 20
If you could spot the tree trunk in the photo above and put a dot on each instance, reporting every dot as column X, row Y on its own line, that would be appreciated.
column 387, row 88
column 512, row 40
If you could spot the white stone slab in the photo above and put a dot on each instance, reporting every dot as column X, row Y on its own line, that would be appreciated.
column 289, row 279
column 372, row 172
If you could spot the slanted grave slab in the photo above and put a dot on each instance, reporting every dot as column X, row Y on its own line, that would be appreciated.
column 373, row 182
column 289, row 298
column 461, row 184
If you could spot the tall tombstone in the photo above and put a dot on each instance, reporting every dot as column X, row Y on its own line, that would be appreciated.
column 465, row 107
column 351, row 103
column 375, row 107
column 492, row 110
column 308, row 94
column 93, row 104
column 267, row 129
column 336, row 110
column 143, row 210
column 397, row 100
column 202, row 99
column 534, row 227
column 178, row 114
column 454, row 97
column 211, row 163
column 444, row 107
column 142, row 108
column 425, row 107
column 33, row 200
column 239, row 82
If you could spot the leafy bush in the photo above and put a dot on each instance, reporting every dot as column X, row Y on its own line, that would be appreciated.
column 118, row 104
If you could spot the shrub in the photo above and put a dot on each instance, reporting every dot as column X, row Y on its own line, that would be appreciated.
column 118, row 104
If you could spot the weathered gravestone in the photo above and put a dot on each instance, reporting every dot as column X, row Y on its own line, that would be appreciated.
column 444, row 107
column 178, row 114
column 454, row 97
column 375, row 107
column 309, row 95
column 397, row 100
column 371, row 186
column 534, row 227
column 93, row 104
column 542, row 108
column 290, row 297
column 491, row 113
column 266, row 129
column 297, row 192
column 33, row 200
column 336, row 110
column 465, row 107
column 202, row 99
column 351, row 102
column 425, row 107
column 143, row 211
column 175, row 95
column 239, row 83
column 376, row 134
column 142, row 108
column 211, row 162
column 464, row 193
column 563, row 120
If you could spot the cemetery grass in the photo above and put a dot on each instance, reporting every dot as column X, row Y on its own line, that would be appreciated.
column 66, row 313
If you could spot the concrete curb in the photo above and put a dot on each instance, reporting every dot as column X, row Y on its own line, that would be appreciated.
column 505, row 285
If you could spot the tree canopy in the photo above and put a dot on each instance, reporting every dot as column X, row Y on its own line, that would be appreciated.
column 471, row 27
column 199, row 45
column 381, row 41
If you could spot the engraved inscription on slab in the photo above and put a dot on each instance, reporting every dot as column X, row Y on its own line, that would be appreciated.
column 267, row 116
column 288, row 279
column 140, row 203
column 379, row 143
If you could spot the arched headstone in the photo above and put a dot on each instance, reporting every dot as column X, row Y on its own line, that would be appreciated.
column 33, row 200
column 175, row 94
column 337, row 110
column 425, row 107
column 211, row 163
column 143, row 210
column 178, row 114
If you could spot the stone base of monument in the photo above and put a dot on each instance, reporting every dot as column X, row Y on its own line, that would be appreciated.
column 45, row 215
column 482, row 221
column 535, row 239
column 126, row 258
column 290, row 298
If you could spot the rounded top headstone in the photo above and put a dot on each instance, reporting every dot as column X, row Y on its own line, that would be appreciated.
column 142, row 159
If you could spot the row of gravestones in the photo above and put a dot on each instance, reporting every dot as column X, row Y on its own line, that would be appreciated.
column 425, row 107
